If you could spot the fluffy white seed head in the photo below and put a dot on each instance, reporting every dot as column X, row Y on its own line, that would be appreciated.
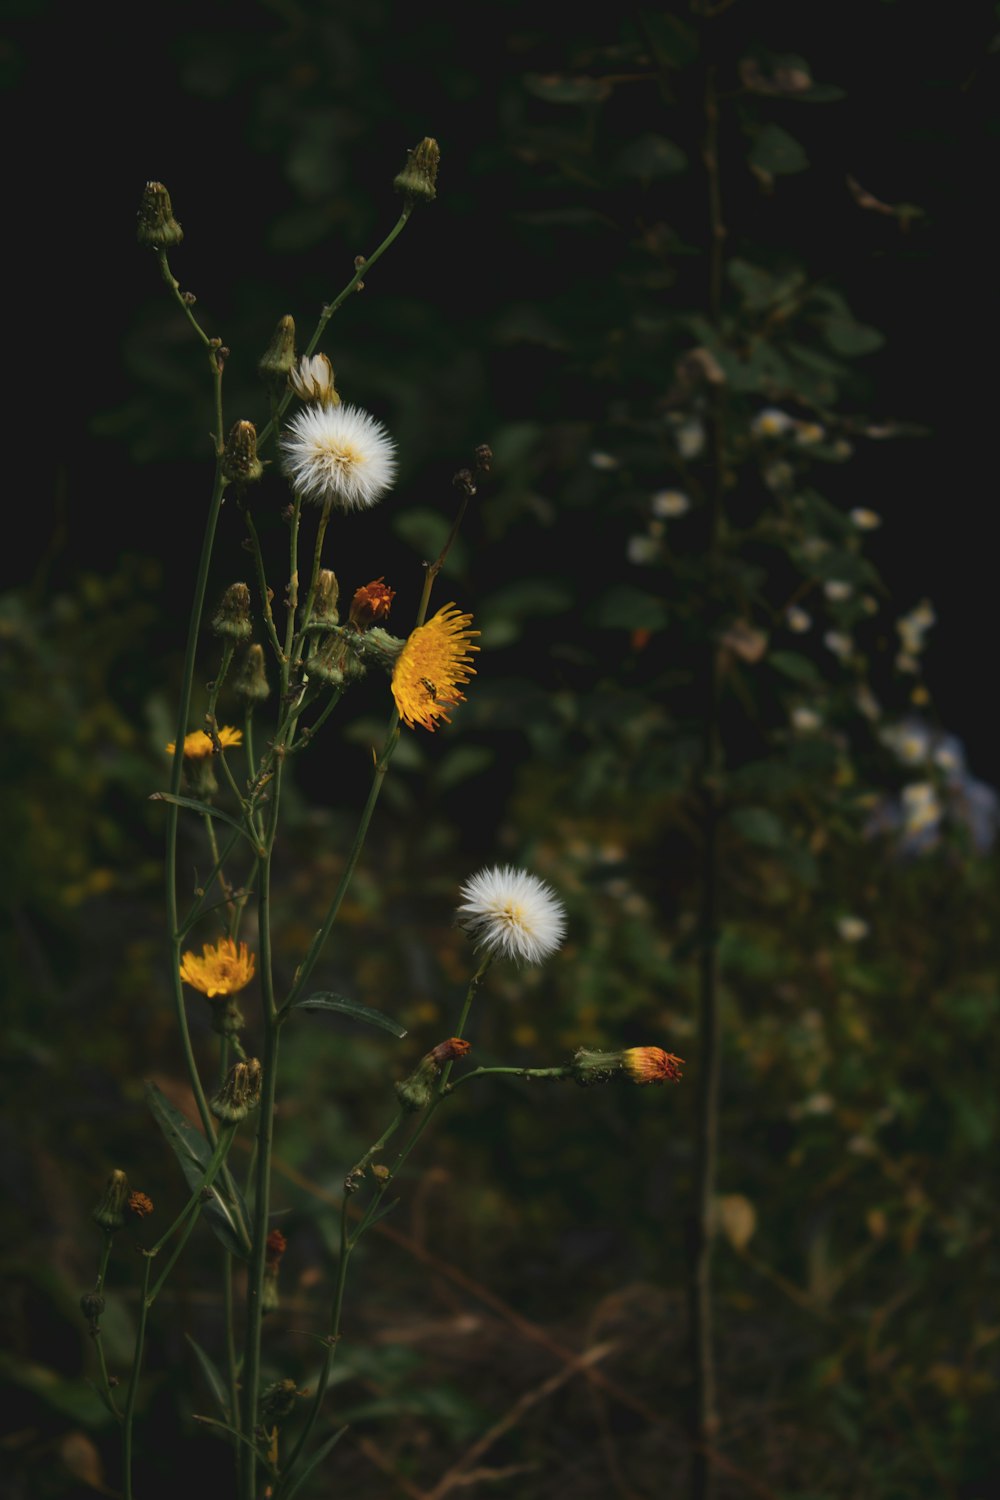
column 338, row 454
column 512, row 914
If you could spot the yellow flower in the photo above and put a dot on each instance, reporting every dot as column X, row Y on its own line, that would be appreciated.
column 430, row 667
column 652, row 1065
column 198, row 744
column 222, row 969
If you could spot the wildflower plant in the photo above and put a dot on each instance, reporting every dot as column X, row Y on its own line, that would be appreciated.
column 296, row 660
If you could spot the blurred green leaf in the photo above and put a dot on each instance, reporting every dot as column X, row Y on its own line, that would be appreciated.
column 776, row 152
column 426, row 531
column 650, row 156
column 193, row 1153
column 628, row 608
column 798, row 668
column 213, row 1379
column 559, row 89
column 758, row 825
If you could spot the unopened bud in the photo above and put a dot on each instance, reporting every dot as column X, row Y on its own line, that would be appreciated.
column 313, row 380
column 239, row 1094
column 591, row 1067
column 251, row 680
column 92, row 1306
column 232, row 618
column 274, row 1247
column 227, row 1020
column 278, row 360
column 240, row 464
column 110, row 1212
column 278, row 1402
column 417, row 1091
column 484, row 458
column 335, row 662
column 269, row 1299
column 140, row 1204
column 419, row 176
column 324, row 610
column 652, row 1065
column 157, row 226
column 371, row 604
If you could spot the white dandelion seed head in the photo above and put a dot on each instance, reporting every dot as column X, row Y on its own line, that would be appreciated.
column 338, row 454
column 837, row 590
column 864, row 519
column 511, row 914
column 670, row 503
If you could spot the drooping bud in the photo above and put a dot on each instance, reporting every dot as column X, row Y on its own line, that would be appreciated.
column 232, row 618
column 313, row 380
column 251, row 681
column 239, row 1094
column 418, row 178
column 157, row 226
column 371, row 604
column 240, row 464
column 278, row 360
column 92, row 1306
column 324, row 610
column 110, row 1212
column 277, row 1402
column 652, row 1065
column 417, row 1091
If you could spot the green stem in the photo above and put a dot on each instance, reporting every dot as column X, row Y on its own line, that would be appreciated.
column 318, row 942
column 313, row 729
column 261, row 1211
column 215, row 1161
column 183, row 716
column 133, row 1384
column 106, row 1386
column 264, row 591
column 330, row 309
column 307, row 609
column 548, row 1073
column 211, row 347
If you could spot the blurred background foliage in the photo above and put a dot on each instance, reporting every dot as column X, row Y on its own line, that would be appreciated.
column 557, row 302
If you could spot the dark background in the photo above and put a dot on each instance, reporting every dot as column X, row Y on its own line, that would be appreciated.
column 278, row 130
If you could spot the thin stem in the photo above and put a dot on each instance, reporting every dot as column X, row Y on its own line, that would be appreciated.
column 133, row 1384
column 183, row 716
column 328, row 312
column 324, row 521
column 211, row 346
column 261, row 1211
column 224, row 886
column 215, row 1161
column 264, row 591
column 198, row 909
column 318, row 942
column 548, row 1073
column 95, row 1331
column 313, row 729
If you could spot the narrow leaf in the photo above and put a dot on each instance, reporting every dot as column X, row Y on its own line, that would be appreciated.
column 353, row 1008
column 314, row 1462
column 225, row 1427
column 193, row 1153
column 200, row 807
column 212, row 1377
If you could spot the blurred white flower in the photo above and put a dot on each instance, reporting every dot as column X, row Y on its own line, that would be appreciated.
column 511, row 914
column 797, row 619
column 912, row 628
column 910, row 742
column 641, row 550
column 599, row 460
column 838, row 589
column 841, row 645
column 921, row 808
column 670, row 503
column 865, row 520
column 807, row 433
column 852, row 929
column 772, row 422
column 338, row 455
column 807, row 720
column 689, row 436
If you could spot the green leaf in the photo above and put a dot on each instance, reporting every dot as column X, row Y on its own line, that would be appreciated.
column 314, row 1462
column 847, row 337
column 628, row 608
column 461, row 763
column 798, row 668
column 326, row 1001
column 201, row 807
column 651, row 156
column 212, row 1377
column 557, row 88
column 193, row 1152
column 776, row 152
column 72, row 1398
column 758, row 825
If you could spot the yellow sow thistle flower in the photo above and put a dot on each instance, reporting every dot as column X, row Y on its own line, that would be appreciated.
column 223, row 969
column 430, row 667
column 198, row 744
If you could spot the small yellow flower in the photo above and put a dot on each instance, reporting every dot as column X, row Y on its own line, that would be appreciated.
column 223, row 969
column 430, row 667
column 198, row 744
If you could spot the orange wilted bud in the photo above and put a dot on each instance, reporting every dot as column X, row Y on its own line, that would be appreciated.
column 140, row 1205
column 371, row 604
column 652, row 1065
column 455, row 1046
column 276, row 1245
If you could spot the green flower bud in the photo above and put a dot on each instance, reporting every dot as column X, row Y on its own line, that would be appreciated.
column 232, row 618
column 278, row 360
column 110, row 1212
column 239, row 1094
column 324, row 612
column 157, row 226
column 419, row 176
column 240, row 464
column 251, row 682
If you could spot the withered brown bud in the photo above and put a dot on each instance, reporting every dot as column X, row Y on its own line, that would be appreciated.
column 232, row 618
column 240, row 464
column 157, row 226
